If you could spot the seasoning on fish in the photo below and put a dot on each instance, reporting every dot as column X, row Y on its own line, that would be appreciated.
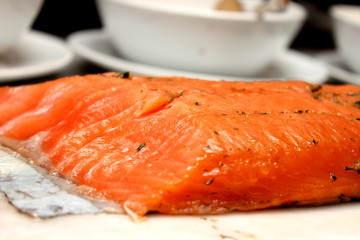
column 186, row 146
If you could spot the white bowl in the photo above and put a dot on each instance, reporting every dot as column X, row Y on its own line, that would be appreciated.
column 193, row 36
column 15, row 17
column 346, row 20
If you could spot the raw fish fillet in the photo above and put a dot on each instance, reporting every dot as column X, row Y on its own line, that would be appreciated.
column 187, row 146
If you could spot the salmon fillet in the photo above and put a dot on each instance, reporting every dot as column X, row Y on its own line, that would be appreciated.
column 186, row 146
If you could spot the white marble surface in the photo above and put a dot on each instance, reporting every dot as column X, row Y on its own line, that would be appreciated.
column 320, row 223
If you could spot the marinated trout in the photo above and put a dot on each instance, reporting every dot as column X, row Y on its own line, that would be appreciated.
column 187, row 146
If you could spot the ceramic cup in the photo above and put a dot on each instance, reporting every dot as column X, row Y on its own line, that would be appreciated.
column 346, row 23
column 194, row 36
column 16, row 16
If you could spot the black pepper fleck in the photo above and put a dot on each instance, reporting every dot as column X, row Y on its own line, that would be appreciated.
column 333, row 177
column 357, row 104
column 210, row 181
column 125, row 75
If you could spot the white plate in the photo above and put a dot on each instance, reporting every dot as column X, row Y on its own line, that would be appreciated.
column 337, row 67
column 36, row 54
column 95, row 46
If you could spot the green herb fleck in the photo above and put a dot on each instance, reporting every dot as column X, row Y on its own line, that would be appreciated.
column 141, row 146
column 352, row 169
column 353, row 94
column 315, row 88
column 344, row 198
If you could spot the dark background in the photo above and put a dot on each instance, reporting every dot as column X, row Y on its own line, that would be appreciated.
column 63, row 17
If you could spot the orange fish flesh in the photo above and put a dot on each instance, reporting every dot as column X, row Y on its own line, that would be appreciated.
column 186, row 146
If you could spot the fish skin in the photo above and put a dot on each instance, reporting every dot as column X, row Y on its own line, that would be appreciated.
column 186, row 146
column 34, row 194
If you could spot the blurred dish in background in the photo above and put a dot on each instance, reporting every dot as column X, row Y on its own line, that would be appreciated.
column 194, row 36
column 95, row 46
column 16, row 16
column 344, row 62
column 36, row 54
column 346, row 26
column 338, row 68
